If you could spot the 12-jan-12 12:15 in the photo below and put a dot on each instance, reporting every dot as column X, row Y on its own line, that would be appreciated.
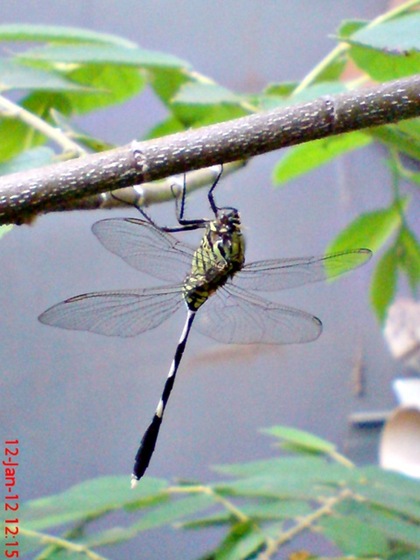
column 11, row 499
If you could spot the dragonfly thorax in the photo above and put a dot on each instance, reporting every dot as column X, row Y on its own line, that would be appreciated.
column 221, row 254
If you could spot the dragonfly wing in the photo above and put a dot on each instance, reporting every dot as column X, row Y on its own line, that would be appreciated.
column 119, row 313
column 234, row 316
column 144, row 247
column 281, row 274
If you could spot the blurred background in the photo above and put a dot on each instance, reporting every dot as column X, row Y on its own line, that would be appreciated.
column 79, row 402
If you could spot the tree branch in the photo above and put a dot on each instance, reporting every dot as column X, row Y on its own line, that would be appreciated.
column 25, row 194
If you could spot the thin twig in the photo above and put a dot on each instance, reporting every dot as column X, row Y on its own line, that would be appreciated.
column 303, row 524
column 43, row 538
column 10, row 109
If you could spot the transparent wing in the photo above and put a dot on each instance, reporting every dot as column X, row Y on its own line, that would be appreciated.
column 281, row 274
column 232, row 315
column 120, row 313
column 145, row 247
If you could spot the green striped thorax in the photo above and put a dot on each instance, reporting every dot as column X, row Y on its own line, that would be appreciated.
column 221, row 254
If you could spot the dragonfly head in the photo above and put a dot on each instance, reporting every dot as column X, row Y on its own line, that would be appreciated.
column 227, row 220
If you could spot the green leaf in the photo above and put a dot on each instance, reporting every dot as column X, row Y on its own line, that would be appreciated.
column 112, row 84
column 242, row 541
column 202, row 115
column 350, row 26
column 409, row 256
column 301, row 439
column 391, row 481
column 169, row 126
column 281, row 96
column 398, row 35
column 202, row 103
column 283, row 89
column 289, row 486
column 107, row 537
column 395, row 527
column 57, row 34
column 17, row 136
column 400, row 137
column 205, row 94
column 4, row 230
column 282, row 509
column 258, row 510
column 409, row 174
column 411, row 127
column 403, row 555
column 384, row 283
column 388, row 50
column 306, row 157
column 404, row 254
column 355, row 537
column 289, row 478
column 392, row 500
column 103, row 54
column 333, row 70
column 393, row 492
column 301, row 466
column 217, row 520
column 167, row 81
column 17, row 76
column 381, row 66
column 37, row 157
column 370, row 230
column 172, row 511
column 90, row 498
column 317, row 90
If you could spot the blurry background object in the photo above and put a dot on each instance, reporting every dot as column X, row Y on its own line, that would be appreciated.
column 399, row 449
column 402, row 332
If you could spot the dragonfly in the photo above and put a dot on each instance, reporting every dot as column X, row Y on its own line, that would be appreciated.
column 215, row 285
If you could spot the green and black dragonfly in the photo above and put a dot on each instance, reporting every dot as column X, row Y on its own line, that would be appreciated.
column 212, row 279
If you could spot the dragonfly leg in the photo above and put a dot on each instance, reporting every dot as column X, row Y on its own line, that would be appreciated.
column 210, row 196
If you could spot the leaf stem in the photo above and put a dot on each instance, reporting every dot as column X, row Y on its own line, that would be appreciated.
column 43, row 538
column 303, row 524
column 12, row 110
column 341, row 459
column 201, row 489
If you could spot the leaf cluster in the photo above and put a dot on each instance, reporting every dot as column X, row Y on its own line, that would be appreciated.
column 259, row 508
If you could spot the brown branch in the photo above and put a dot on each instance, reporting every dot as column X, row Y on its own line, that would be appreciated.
column 25, row 194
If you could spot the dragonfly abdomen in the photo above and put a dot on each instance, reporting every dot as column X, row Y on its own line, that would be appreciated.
column 196, row 290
